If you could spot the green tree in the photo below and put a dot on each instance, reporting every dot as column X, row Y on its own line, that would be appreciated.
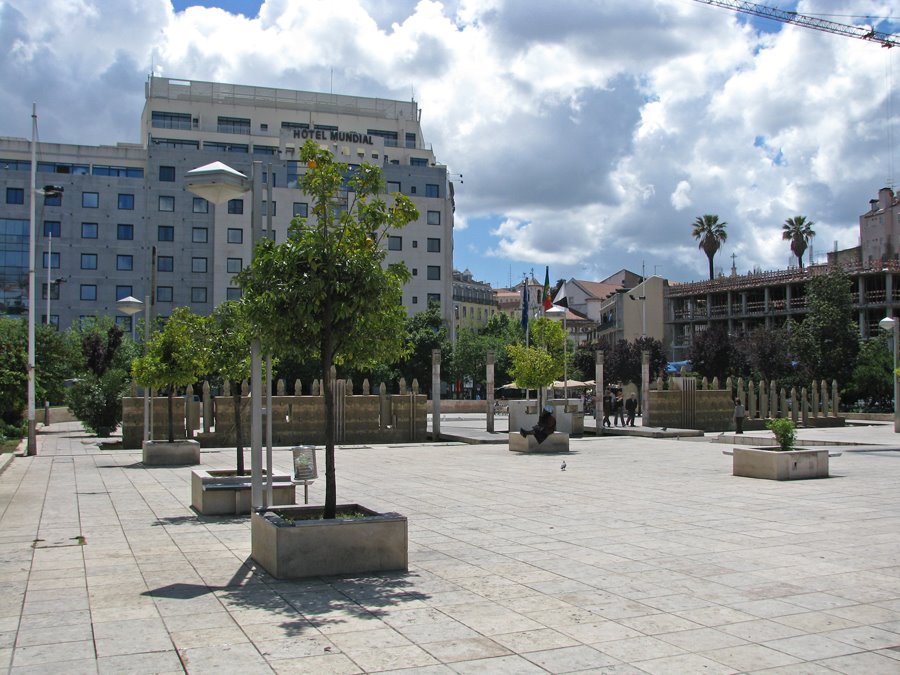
column 765, row 353
column 13, row 372
column 423, row 333
column 96, row 396
column 711, row 234
column 872, row 379
column 798, row 230
column 827, row 341
column 55, row 361
column 176, row 356
column 710, row 352
column 624, row 362
column 229, row 350
column 324, row 292
column 500, row 332
column 542, row 361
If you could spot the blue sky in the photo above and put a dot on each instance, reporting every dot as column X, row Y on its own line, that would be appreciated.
column 590, row 134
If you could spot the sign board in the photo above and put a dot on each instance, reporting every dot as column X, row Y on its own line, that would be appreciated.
column 304, row 463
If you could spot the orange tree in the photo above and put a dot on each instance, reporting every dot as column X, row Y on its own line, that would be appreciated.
column 324, row 292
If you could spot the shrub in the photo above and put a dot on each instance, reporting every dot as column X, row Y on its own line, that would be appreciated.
column 785, row 432
column 97, row 401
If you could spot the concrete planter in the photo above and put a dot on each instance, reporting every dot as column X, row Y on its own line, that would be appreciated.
column 312, row 548
column 220, row 493
column 163, row 453
column 780, row 465
column 558, row 441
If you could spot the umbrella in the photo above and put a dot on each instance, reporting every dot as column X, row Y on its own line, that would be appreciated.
column 571, row 384
column 511, row 385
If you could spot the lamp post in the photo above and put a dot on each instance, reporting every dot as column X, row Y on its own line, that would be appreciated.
column 890, row 324
column 130, row 305
column 556, row 309
column 217, row 183
column 643, row 299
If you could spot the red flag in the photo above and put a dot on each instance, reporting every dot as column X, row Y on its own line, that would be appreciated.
column 548, row 301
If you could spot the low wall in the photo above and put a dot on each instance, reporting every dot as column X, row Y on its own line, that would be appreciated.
column 711, row 410
column 459, row 406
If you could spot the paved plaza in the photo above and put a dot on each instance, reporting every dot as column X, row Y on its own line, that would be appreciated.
column 643, row 556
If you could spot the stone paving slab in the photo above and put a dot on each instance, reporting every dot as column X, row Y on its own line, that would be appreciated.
column 644, row 556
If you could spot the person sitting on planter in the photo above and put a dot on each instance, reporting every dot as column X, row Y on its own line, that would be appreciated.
column 546, row 425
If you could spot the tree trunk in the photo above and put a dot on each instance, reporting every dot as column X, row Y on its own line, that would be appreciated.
column 327, row 358
column 712, row 275
column 238, row 427
column 171, row 414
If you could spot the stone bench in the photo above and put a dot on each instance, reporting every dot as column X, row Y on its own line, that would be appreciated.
column 557, row 442
column 216, row 493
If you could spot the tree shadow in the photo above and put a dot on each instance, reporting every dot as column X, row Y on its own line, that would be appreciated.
column 304, row 605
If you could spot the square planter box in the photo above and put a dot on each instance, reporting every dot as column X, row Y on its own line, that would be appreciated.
column 558, row 441
column 312, row 548
column 220, row 493
column 780, row 465
column 163, row 453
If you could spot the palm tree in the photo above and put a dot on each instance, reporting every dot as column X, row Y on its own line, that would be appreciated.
column 710, row 233
column 798, row 230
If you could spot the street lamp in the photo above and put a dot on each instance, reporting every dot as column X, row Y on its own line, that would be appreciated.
column 217, row 183
column 130, row 305
column 643, row 299
column 890, row 324
column 556, row 309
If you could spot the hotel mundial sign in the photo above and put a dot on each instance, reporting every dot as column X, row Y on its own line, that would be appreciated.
column 332, row 135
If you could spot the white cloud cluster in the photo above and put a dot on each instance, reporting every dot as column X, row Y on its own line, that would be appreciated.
column 590, row 134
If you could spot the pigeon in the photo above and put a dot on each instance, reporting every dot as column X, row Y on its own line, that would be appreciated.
column 563, row 467
column 664, row 428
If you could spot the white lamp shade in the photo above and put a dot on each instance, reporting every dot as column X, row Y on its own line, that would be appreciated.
column 887, row 323
column 129, row 305
column 217, row 182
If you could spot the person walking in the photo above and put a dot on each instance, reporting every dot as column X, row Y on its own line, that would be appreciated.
column 619, row 410
column 631, row 408
column 739, row 414
column 606, row 403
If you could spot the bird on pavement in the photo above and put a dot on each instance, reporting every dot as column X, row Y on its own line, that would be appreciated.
column 563, row 467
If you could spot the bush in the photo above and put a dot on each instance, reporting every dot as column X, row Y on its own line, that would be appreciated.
column 97, row 401
column 785, row 432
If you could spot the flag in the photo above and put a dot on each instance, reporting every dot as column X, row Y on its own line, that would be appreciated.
column 525, row 306
column 561, row 300
column 547, row 300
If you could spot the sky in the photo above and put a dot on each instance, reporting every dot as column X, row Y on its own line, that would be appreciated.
column 583, row 135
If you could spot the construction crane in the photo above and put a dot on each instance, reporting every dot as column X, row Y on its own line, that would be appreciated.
column 884, row 39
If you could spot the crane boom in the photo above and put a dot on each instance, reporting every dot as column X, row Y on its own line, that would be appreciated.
column 884, row 39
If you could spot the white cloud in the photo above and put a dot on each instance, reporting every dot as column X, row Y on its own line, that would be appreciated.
column 594, row 132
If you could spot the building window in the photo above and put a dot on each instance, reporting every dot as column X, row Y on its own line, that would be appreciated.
column 415, row 299
column 88, row 261
column 301, row 210
column 233, row 125
column 198, row 265
column 167, row 120
column 89, row 230
column 434, row 299
column 117, row 171
column 415, row 244
column 126, row 202
column 235, row 235
column 236, row 206
column 434, row 245
column 53, row 198
column 200, row 205
column 165, row 263
column 232, row 293
column 90, row 200
column 434, row 273
column 410, row 140
column 431, row 190
column 393, row 186
column 51, row 228
column 88, row 292
column 265, row 208
column 15, row 195
column 418, row 161
column 124, row 231
column 54, row 291
column 167, row 174
column 166, row 203
column 395, row 243
column 164, row 294
column 123, row 292
column 200, row 235
column 234, row 265
column 434, row 217
column 124, row 263
column 165, row 233
column 54, row 260
column 415, row 271
column 198, row 294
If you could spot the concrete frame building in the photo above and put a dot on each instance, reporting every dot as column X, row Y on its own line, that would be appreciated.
column 121, row 202
column 473, row 302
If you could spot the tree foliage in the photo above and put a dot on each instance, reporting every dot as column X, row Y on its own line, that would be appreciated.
column 711, row 352
column 623, row 363
column 798, row 230
column 711, row 234
column 423, row 333
column 324, row 293
column 827, row 341
column 872, row 379
column 176, row 356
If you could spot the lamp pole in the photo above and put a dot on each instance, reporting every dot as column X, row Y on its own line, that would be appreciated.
column 217, row 183
column 891, row 324
column 31, row 448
